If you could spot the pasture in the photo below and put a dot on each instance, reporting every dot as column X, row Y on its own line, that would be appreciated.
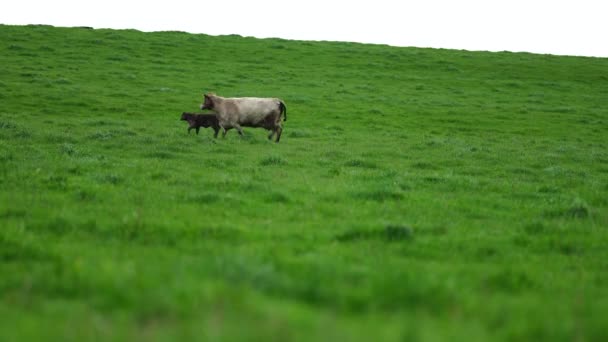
column 416, row 194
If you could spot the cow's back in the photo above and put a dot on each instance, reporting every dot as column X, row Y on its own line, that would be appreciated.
column 257, row 104
column 253, row 110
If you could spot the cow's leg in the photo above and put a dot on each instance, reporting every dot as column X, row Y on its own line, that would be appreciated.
column 222, row 126
column 279, row 131
column 197, row 128
column 272, row 132
column 217, row 130
column 238, row 128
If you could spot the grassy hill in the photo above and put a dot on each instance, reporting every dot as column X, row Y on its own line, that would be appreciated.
column 416, row 194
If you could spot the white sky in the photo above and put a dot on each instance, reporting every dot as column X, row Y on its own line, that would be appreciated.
column 577, row 27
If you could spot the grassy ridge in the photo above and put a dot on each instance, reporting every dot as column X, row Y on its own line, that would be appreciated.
column 416, row 193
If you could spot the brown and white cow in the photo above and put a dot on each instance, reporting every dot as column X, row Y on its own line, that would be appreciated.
column 237, row 112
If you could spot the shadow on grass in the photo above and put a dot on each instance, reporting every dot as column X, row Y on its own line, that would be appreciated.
column 360, row 163
column 273, row 160
column 577, row 210
column 379, row 195
column 389, row 233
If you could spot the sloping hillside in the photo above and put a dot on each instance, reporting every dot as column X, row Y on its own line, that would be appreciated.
column 415, row 193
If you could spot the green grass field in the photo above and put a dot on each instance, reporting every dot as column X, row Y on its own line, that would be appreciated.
column 416, row 194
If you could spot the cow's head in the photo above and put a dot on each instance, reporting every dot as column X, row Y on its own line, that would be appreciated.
column 185, row 116
column 208, row 103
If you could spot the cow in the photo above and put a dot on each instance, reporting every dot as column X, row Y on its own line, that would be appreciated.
column 197, row 121
column 237, row 112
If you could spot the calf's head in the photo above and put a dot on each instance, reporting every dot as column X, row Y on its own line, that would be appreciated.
column 186, row 116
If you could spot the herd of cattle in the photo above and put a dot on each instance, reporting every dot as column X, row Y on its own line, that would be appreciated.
column 238, row 112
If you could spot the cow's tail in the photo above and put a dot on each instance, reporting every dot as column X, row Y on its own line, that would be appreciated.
column 283, row 110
